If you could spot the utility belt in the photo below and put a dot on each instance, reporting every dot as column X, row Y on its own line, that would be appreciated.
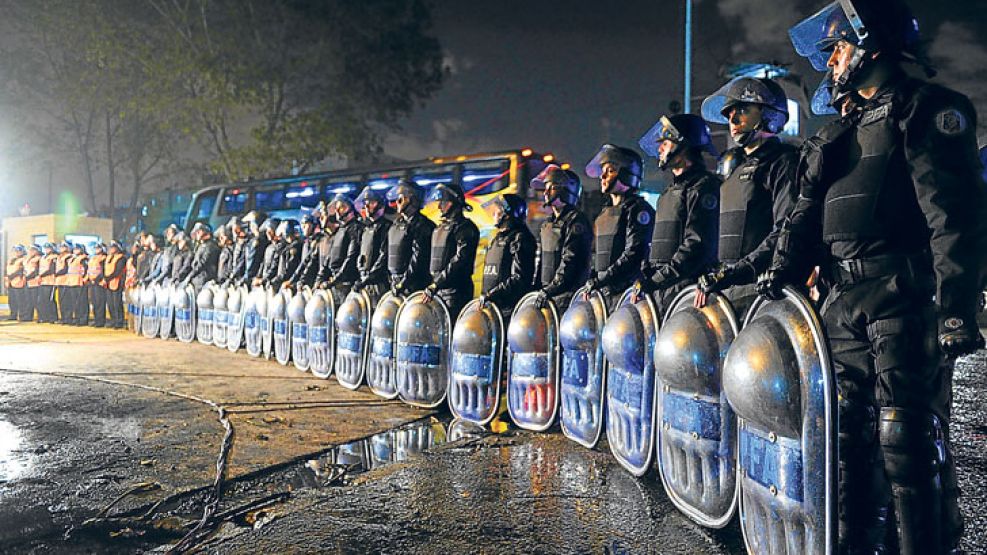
column 913, row 267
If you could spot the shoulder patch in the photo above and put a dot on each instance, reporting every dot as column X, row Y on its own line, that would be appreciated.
column 643, row 217
column 578, row 228
column 951, row 122
column 708, row 201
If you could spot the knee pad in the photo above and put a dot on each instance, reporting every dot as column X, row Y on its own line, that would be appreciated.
column 910, row 440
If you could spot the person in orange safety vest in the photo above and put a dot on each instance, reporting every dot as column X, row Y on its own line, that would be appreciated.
column 96, row 284
column 47, row 311
column 13, row 280
column 78, row 303
column 29, row 301
column 61, row 280
column 115, row 268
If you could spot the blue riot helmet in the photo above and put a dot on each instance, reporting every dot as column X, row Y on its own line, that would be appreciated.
column 451, row 192
column 79, row 247
column 288, row 228
column 686, row 131
column 367, row 196
column 407, row 195
column 116, row 245
column 19, row 249
column 270, row 224
column 747, row 90
column 101, row 247
column 64, row 247
column 628, row 163
column 49, row 247
column 506, row 208
column 885, row 26
column 34, row 248
column 340, row 202
column 311, row 222
column 564, row 185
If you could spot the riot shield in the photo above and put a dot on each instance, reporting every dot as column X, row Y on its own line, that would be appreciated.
column 280, row 328
column 476, row 363
column 353, row 339
column 778, row 378
column 166, row 313
column 533, row 364
column 203, row 314
column 697, row 434
column 133, row 309
column 150, row 324
column 380, row 362
column 236, row 308
column 422, row 331
column 256, row 306
column 183, row 303
column 299, row 329
column 319, row 313
column 219, row 315
column 583, row 368
column 629, row 343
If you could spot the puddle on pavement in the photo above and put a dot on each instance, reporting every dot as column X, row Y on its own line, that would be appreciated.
column 339, row 465
column 13, row 461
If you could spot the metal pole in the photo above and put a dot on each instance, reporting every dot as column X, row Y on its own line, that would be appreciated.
column 687, row 102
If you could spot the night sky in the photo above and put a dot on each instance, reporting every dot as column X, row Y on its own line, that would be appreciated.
column 568, row 76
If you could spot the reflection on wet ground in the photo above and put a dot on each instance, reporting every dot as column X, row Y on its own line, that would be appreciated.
column 13, row 462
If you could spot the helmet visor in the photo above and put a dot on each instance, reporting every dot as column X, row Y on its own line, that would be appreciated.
column 662, row 131
column 815, row 35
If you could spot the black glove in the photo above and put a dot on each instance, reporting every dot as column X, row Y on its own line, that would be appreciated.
column 727, row 275
column 958, row 337
column 541, row 301
column 771, row 283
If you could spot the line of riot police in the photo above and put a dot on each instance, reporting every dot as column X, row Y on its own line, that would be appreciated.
column 684, row 331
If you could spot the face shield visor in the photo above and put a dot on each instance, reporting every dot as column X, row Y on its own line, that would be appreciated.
column 816, row 35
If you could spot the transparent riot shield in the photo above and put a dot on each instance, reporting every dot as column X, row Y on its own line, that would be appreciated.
column 533, row 363
column 183, row 303
column 319, row 313
column 381, row 377
column 476, row 363
column 583, row 367
column 422, row 334
column 353, row 339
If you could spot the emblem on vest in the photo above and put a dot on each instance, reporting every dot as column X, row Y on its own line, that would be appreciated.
column 950, row 122
column 876, row 114
column 708, row 201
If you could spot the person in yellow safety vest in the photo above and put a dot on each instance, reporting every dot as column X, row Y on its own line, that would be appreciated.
column 13, row 280
column 78, row 303
column 47, row 312
column 114, row 269
column 95, row 283
column 29, row 301
column 61, row 279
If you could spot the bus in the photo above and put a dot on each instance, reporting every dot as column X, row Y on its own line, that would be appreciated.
column 482, row 176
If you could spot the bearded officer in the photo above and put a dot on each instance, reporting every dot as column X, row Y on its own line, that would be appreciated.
column 454, row 244
column 114, row 270
column 509, row 265
column 566, row 236
column 340, row 271
column 758, row 193
column 372, row 263
column 623, row 227
column 893, row 193
column 409, row 241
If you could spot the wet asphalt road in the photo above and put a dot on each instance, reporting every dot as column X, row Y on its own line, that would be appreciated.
column 72, row 449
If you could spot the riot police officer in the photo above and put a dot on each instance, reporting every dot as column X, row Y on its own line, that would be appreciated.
column 155, row 262
column 339, row 270
column 409, row 241
column 289, row 253
column 269, row 264
column 308, row 266
column 684, row 242
column 454, row 244
column 114, row 270
column 95, row 281
column 255, row 246
column 14, row 280
column 224, row 243
column 372, row 263
column 891, row 190
column 238, row 253
column 61, row 280
column 566, row 236
column 509, row 265
column 47, row 312
column 161, row 270
column 623, row 227
column 181, row 264
column 77, row 299
column 32, row 265
column 758, row 193
column 205, row 263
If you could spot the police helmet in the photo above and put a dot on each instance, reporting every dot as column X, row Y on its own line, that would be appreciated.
column 566, row 180
column 406, row 187
column 449, row 192
column 630, row 167
column 747, row 90
column 368, row 195
column 19, row 248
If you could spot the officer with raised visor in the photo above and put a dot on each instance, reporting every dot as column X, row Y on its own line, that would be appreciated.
column 758, row 194
column 454, row 244
column 509, row 264
column 566, row 236
column 623, row 227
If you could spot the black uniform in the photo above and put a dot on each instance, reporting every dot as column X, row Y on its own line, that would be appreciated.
column 372, row 263
column 893, row 191
column 509, row 266
column 621, row 244
column 566, row 247
column 289, row 256
column 409, row 242
column 205, row 264
column 181, row 264
column 340, row 267
column 308, row 266
column 254, row 253
column 269, row 266
column 454, row 244
column 238, row 260
column 225, row 263
column 145, row 262
column 161, row 268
